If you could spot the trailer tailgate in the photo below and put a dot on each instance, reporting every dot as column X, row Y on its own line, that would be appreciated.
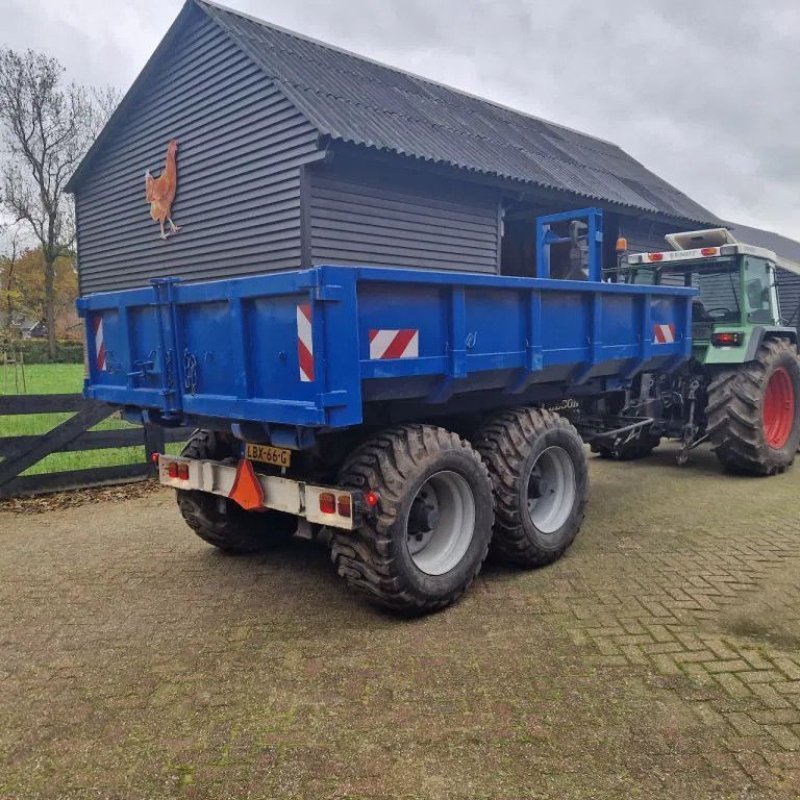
column 253, row 349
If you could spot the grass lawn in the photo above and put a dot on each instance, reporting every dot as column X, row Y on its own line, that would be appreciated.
column 42, row 379
column 60, row 379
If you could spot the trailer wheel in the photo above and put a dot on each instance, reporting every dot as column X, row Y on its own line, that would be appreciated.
column 539, row 473
column 754, row 411
column 429, row 533
column 222, row 522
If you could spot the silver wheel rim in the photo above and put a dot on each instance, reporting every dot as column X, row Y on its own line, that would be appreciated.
column 440, row 523
column 551, row 490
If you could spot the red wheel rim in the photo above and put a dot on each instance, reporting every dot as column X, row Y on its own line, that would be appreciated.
column 778, row 408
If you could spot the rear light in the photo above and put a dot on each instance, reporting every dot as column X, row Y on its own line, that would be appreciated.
column 710, row 251
column 344, row 506
column 371, row 499
column 327, row 503
column 655, row 256
column 178, row 470
column 154, row 457
column 727, row 339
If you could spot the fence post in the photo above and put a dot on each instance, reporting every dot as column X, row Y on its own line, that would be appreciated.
column 153, row 443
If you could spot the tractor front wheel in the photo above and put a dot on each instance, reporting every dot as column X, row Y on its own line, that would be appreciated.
column 754, row 411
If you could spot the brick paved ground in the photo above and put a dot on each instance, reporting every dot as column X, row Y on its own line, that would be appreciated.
column 661, row 658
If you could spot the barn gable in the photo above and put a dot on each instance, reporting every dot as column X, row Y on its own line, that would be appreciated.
column 241, row 146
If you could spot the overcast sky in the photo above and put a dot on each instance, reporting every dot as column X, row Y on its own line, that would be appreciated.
column 703, row 92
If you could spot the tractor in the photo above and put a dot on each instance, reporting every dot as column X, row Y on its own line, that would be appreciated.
column 740, row 390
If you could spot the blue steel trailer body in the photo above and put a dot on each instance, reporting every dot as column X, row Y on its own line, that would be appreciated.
column 390, row 411
column 316, row 348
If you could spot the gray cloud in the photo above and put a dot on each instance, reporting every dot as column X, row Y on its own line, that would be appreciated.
column 703, row 92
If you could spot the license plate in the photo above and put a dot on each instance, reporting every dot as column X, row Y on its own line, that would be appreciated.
column 277, row 456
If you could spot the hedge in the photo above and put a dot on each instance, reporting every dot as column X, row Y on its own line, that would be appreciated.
column 34, row 351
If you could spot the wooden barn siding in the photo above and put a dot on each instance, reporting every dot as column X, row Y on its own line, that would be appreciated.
column 645, row 236
column 241, row 147
column 789, row 296
column 383, row 217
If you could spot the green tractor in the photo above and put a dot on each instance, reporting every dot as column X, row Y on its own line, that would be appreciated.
column 741, row 389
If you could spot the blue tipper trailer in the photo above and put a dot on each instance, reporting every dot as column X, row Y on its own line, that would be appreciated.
column 406, row 413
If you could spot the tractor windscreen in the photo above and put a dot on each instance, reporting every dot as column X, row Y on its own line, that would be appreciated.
column 720, row 298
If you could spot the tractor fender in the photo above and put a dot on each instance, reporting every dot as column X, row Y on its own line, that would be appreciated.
column 761, row 332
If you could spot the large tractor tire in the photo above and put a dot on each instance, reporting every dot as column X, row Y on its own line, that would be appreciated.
column 753, row 412
column 540, row 478
column 222, row 522
column 429, row 533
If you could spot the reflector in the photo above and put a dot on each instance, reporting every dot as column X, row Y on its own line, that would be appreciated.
column 327, row 503
column 246, row 489
column 344, row 505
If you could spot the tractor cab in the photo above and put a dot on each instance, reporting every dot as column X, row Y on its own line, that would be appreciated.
column 737, row 298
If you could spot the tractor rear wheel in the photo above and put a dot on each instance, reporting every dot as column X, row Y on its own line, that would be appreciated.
column 754, row 411
column 429, row 533
column 540, row 478
column 222, row 522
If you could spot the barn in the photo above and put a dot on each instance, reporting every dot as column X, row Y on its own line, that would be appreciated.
column 294, row 153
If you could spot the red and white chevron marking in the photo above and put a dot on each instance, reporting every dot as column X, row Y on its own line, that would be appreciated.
column 99, row 345
column 305, row 343
column 664, row 334
column 403, row 343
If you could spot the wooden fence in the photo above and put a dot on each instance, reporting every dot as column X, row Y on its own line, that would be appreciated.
column 73, row 435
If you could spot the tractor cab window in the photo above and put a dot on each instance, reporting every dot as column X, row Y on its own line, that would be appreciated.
column 720, row 295
column 719, row 284
column 758, row 290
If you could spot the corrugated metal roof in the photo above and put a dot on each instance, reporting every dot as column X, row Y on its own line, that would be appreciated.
column 785, row 248
column 354, row 99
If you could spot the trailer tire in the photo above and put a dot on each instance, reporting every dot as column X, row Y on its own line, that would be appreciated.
column 222, row 522
column 753, row 411
column 527, row 451
column 426, row 539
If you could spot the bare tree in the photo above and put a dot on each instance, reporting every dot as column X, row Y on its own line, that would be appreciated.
column 46, row 127
column 11, row 237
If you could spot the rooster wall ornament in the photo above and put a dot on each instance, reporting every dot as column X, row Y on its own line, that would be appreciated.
column 160, row 191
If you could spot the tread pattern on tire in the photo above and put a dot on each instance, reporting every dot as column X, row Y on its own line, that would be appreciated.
column 363, row 557
column 734, row 414
column 237, row 531
column 503, row 445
